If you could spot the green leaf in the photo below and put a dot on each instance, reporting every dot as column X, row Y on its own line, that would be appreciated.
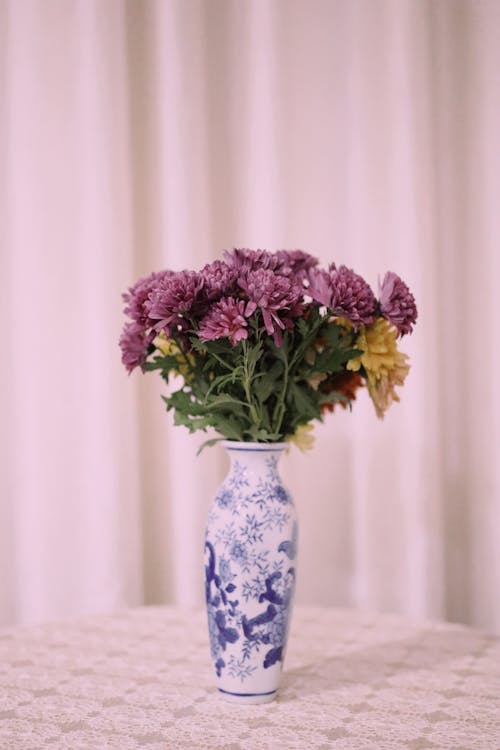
column 266, row 382
column 221, row 380
column 259, row 435
column 253, row 355
column 208, row 443
column 167, row 363
column 302, row 327
column 331, row 333
column 199, row 346
column 334, row 361
column 225, row 401
column 182, row 401
column 220, row 346
column 279, row 352
column 227, row 427
column 304, row 401
column 192, row 423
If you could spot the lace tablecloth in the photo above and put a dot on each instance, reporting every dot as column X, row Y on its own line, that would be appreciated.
column 142, row 679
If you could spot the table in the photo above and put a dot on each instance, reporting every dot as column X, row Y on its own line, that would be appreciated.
column 141, row 678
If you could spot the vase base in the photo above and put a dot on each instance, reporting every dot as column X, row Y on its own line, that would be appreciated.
column 248, row 698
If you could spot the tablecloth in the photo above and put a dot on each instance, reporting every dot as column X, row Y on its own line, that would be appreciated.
column 141, row 678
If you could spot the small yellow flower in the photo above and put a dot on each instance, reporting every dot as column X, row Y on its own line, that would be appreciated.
column 302, row 437
column 170, row 349
column 385, row 366
column 166, row 346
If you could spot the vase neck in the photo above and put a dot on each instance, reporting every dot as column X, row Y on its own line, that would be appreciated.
column 254, row 454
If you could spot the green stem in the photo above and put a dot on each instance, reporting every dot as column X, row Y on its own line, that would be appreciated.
column 279, row 409
column 247, row 385
column 221, row 361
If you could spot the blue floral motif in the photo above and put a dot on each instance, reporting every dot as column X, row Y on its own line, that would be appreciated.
column 272, row 468
column 239, row 553
column 239, row 477
column 275, row 518
column 224, row 498
column 251, row 532
column 242, row 571
column 269, row 492
column 238, row 668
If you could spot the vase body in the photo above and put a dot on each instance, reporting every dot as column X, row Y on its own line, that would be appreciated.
column 250, row 552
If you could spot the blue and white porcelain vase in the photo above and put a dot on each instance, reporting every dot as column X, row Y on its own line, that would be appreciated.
column 250, row 551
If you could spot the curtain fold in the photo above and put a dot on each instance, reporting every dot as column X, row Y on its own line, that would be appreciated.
column 142, row 135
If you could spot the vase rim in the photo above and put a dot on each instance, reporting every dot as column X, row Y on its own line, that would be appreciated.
column 236, row 445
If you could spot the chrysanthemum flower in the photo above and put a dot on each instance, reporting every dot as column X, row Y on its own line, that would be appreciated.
column 303, row 438
column 295, row 263
column 243, row 260
column 397, row 303
column 278, row 298
column 175, row 301
column 346, row 293
column 384, row 365
column 226, row 319
column 346, row 383
column 136, row 297
column 134, row 343
column 219, row 280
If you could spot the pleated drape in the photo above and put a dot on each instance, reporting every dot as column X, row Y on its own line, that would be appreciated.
column 142, row 135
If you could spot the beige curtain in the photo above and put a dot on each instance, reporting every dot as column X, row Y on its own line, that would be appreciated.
column 149, row 134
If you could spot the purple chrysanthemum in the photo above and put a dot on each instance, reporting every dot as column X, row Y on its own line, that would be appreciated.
column 243, row 260
column 226, row 319
column 219, row 280
column 397, row 303
column 137, row 336
column 295, row 263
column 292, row 263
column 278, row 298
column 134, row 343
column 346, row 293
column 136, row 297
column 176, row 300
column 320, row 286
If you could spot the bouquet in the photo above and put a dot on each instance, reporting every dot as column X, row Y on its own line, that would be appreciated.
column 260, row 344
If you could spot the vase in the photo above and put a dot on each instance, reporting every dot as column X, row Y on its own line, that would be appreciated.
column 250, row 551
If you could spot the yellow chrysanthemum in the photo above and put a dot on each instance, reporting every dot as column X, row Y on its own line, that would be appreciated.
column 385, row 366
column 302, row 437
column 170, row 349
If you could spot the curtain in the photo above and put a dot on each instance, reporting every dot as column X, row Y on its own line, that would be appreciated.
column 142, row 135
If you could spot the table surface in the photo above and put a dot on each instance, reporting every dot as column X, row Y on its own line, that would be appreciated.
column 141, row 678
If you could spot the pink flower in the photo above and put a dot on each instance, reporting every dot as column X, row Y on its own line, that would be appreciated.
column 292, row 263
column 243, row 260
column 175, row 302
column 137, row 296
column 226, row 319
column 134, row 343
column 295, row 263
column 278, row 298
column 397, row 303
column 219, row 279
column 346, row 293
column 136, row 335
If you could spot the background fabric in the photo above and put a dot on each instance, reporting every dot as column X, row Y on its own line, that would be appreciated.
column 142, row 135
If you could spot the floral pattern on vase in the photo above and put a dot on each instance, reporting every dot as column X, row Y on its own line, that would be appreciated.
column 250, row 552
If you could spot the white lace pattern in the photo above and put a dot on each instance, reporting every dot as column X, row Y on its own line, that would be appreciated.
column 143, row 679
